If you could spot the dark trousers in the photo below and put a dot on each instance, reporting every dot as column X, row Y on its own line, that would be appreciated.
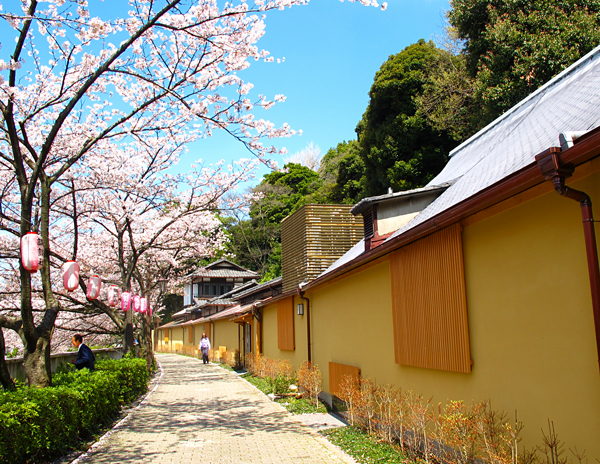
column 205, row 355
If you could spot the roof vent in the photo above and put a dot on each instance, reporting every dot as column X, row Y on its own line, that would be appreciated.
column 368, row 223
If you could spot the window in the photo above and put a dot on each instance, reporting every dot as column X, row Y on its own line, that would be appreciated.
column 285, row 324
column 429, row 303
column 211, row 289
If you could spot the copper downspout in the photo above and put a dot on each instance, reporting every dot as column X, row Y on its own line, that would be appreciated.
column 557, row 174
column 302, row 297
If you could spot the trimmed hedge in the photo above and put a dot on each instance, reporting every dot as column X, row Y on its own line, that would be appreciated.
column 39, row 424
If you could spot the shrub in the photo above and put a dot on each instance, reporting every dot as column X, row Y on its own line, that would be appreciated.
column 39, row 424
column 310, row 380
column 132, row 376
column 232, row 359
column 279, row 385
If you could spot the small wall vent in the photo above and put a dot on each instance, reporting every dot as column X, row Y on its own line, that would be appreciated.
column 368, row 223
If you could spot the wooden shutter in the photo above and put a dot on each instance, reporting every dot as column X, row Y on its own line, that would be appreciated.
column 336, row 374
column 285, row 324
column 429, row 303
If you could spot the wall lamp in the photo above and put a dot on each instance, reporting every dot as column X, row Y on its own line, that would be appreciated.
column 300, row 308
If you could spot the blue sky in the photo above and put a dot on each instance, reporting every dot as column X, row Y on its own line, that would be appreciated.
column 332, row 50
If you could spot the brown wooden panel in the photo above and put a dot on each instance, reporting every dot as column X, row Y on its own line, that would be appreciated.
column 285, row 324
column 313, row 238
column 337, row 372
column 429, row 303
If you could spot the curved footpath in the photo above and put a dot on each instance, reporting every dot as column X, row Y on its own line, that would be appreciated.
column 204, row 414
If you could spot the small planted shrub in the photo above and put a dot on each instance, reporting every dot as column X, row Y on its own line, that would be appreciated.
column 310, row 380
column 40, row 424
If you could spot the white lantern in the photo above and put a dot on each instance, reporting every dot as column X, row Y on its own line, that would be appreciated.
column 136, row 303
column 30, row 252
column 70, row 272
column 93, row 288
column 113, row 296
column 125, row 301
column 143, row 305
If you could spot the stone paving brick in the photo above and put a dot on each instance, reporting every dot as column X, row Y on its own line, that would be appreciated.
column 204, row 414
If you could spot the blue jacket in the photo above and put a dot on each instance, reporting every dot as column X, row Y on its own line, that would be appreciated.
column 85, row 358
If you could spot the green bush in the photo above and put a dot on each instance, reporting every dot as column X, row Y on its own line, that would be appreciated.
column 132, row 376
column 279, row 385
column 39, row 424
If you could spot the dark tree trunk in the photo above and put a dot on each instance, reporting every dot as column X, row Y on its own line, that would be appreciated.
column 5, row 379
column 146, row 341
column 128, row 333
column 37, row 363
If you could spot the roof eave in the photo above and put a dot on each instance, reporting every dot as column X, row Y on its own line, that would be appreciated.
column 585, row 149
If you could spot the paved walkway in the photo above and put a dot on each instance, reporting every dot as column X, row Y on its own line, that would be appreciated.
column 204, row 414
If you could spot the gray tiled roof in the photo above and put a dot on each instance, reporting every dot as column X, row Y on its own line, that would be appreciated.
column 259, row 287
column 569, row 102
column 365, row 203
column 223, row 273
column 223, row 268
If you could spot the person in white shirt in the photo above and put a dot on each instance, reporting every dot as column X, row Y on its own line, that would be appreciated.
column 204, row 347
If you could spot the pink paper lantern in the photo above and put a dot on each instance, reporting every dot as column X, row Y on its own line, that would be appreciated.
column 113, row 296
column 70, row 272
column 143, row 305
column 93, row 288
column 30, row 252
column 136, row 303
column 125, row 301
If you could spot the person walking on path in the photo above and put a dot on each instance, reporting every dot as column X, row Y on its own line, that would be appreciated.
column 204, row 347
column 85, row 356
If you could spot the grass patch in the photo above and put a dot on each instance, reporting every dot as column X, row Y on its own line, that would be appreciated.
column 363, row 447
column 293, row 405
column 300, row 405
column 259, row 383
column 227, row 367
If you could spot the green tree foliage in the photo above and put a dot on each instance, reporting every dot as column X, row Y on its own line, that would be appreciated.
column 343, row 173
column 286, row 191
column 448, row 97
column 512, row 48
column 400, row 147
column 172, row 304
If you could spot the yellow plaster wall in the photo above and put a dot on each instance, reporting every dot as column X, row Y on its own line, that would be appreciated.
column 351, row 322
column 176, row 338
column 225, row 334
column 530, row 312
column 270, row 345
column 530, row 322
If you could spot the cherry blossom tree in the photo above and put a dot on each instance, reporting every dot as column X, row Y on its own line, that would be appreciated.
column 81, row 80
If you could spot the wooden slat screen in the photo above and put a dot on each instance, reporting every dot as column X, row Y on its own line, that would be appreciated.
column 313, row 238
column 285, row 324
column 429, row 303
column 191, row 334
column 337, row 372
